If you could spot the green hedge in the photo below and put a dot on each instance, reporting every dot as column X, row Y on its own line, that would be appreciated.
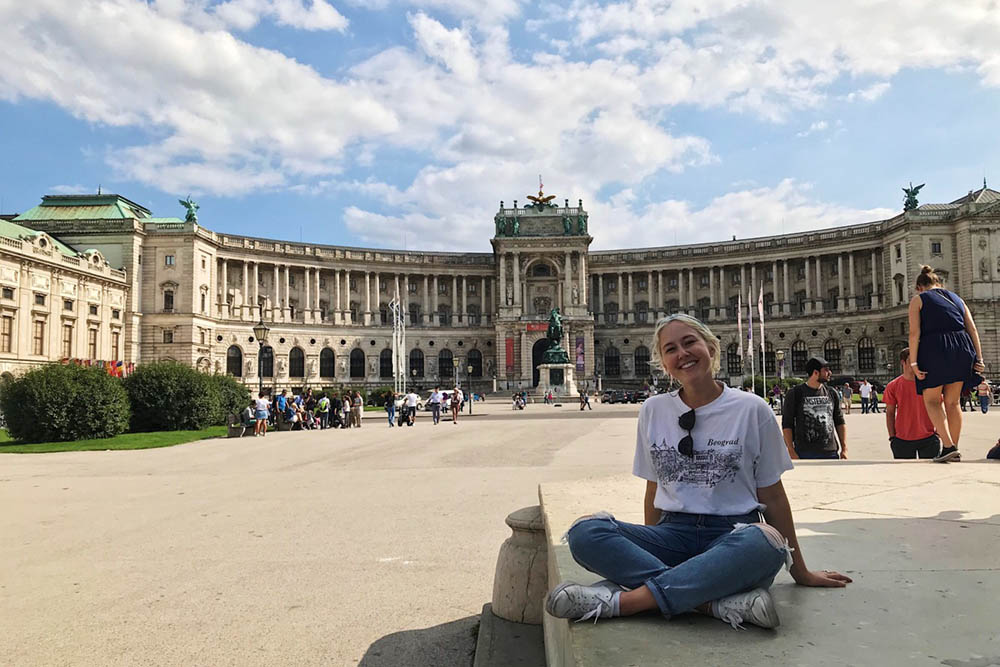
column 233, row 397
column 169, row 396
column 56, row 403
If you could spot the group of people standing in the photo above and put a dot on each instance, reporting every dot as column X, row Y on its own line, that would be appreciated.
column 408, row 403
column 305, row 411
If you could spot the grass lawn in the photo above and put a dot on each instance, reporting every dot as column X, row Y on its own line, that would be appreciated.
column 123, row 441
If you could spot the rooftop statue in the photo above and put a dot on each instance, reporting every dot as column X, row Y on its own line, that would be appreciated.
column 910, row 202
column 567, row 224
column 542, row 201
column 192, row 209
column 581, row 221
column 501, row 222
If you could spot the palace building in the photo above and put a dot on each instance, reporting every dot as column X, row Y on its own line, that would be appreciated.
column 98, row 277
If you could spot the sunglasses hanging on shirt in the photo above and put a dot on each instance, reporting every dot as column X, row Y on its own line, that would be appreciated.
column 686, row 422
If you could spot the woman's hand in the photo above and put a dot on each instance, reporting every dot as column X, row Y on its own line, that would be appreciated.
column 919, row 373
column 979, row 367
column 822, row 578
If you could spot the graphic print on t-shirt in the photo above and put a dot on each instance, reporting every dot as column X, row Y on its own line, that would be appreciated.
column 718, row 462
column 817, row 420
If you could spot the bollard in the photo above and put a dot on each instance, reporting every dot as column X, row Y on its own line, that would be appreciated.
column 521, row 579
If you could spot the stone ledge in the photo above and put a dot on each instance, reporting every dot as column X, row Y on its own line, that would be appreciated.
column 919, row 539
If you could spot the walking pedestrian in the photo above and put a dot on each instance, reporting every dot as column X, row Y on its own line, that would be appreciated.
column 848, row 394
column 985, row 393
column 873, row 405
column 390, row 407
column 435, row 402
column 348, row 401
column 456, row 404
column 357, row 407
column 811, row 421
column 911, row 432
column 718, row 526
column 411, row 407
column 261, row 408
column 947, row 356
column 866, row 394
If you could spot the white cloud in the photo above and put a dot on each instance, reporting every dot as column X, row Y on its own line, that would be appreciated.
column 71, row 189
column 869, row 94
column 818, row 126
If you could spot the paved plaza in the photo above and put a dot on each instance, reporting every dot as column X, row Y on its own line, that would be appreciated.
column 374, row 546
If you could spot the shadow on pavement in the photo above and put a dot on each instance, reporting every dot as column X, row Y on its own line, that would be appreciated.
column 449, row 645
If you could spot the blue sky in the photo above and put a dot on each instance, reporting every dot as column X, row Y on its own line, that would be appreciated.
column 350, row 122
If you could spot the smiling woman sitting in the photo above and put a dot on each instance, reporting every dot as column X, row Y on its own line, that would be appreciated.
column 718, row 526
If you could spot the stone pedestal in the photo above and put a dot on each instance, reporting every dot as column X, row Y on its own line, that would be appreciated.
column 521, row 578
column 558, row 378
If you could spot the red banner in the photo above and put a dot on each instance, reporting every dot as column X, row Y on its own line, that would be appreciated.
column 537, row 326
column 510, row 354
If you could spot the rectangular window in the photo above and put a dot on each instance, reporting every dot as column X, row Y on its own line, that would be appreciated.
column 168, row 260
column 834, row 269
column 411, row 288
column 67, row 304
column 116, row 314
column 93, row 309
column 8, row 292
column 442, row 287
column 473, row 288
column 203, row 262
column 203, row 302
column 899, row 251
column 935, row 247
column 202, row 333
column 116, row 347
column 38, row 337
column 673, row 283
column 642, row 284
column 67, row 340
column 6, row 332
column 704, row 281
column 291, row 280
column 168, row 336
column 39, row 299
column 92, row 343
column 168, row 300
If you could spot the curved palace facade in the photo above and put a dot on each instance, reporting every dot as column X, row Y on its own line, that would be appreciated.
column 167, row 288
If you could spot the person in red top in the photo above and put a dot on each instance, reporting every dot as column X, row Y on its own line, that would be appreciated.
column 911, row 432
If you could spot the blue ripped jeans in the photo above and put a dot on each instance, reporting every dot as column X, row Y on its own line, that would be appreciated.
column 685, row 560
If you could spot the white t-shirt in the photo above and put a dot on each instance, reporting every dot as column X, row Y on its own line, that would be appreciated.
column 865, row 390
column 435, row 397
column 262, row 404
column 738, row 448
column 411, row 400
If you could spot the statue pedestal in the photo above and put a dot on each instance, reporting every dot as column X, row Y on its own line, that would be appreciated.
column 557, row 378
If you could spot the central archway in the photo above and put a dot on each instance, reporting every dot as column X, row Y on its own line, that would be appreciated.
column 537, row 351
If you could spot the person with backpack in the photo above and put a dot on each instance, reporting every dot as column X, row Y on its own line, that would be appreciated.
column 323, row 410
column 390, row 407
column 811, row 419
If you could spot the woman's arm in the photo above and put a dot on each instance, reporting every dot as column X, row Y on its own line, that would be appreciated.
column 778, row 513
column 913, row 315
column 650, row 514
column 970, row 326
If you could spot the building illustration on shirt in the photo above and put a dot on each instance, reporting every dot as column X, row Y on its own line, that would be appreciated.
column 817, row 420
column 707, row 468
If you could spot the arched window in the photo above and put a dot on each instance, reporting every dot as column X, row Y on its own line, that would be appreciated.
column 611, row 312
column 327, row 363
column 831, row 352
column 476, row 361
column 866, row 355
column 641, row 358
column 612, row 362
column 267, row 362
column 800, row 354
column 296, row 363
column 541, row 269
column 234, row 361
column 734, row 365
column 416, row 363
column 385, row 363
column 357, row 363
column 445, row 368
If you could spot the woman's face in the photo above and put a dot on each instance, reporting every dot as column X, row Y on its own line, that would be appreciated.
column 684, row 353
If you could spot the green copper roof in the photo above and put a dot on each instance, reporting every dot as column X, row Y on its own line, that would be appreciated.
column 15, row 231
column 84, row 207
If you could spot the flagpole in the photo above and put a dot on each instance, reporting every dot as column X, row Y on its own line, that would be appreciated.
column 739, row 334
column 750, row 350
column 763, row 349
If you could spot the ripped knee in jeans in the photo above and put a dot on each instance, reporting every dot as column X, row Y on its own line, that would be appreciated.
column 596, row 515
column 773, row 536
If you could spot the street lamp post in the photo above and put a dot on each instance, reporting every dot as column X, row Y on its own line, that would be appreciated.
column 456, row 363
column 471, row 394
column 260, row 331
column 780, row 355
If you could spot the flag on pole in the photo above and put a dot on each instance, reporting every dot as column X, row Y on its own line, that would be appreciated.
column 763, row 353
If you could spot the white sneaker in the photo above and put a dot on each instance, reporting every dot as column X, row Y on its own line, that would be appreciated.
column 754, row 606
column 572, row 600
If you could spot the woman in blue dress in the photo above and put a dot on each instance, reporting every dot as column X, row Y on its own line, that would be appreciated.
column 945, row 344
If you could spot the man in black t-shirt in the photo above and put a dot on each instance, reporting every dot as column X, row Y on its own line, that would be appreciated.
column 811, row 420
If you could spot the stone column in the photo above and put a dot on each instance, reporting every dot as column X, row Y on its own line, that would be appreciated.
column 377, row 313
column 256, row 290
column 680, row 290
column 434, row 296
column 316, row 297
column 245, row 290
column 754, row 287
column 851, row 283
column 621, row 299
column 786, row 305
column 743, row 278
column 503, row 279
column 225, row 290
column 583, row 280
column 567, row 280
column 600, row 298
column 517, row 279
column 338, row 311
column 428, row 316
column 368, row 300
column 691, row 302
column 276, row 306
column 482, row 304
column 659, row 294
column 819, row 284
column 307, row 306
column 287, row 309
column 630, row 317
column 723, row 297
column 874, row 303
column 809, row 304
column 713, row 311
column 841, row 301
column 348, row 318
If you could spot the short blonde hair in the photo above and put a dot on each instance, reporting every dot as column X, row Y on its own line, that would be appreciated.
column 711, row 340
